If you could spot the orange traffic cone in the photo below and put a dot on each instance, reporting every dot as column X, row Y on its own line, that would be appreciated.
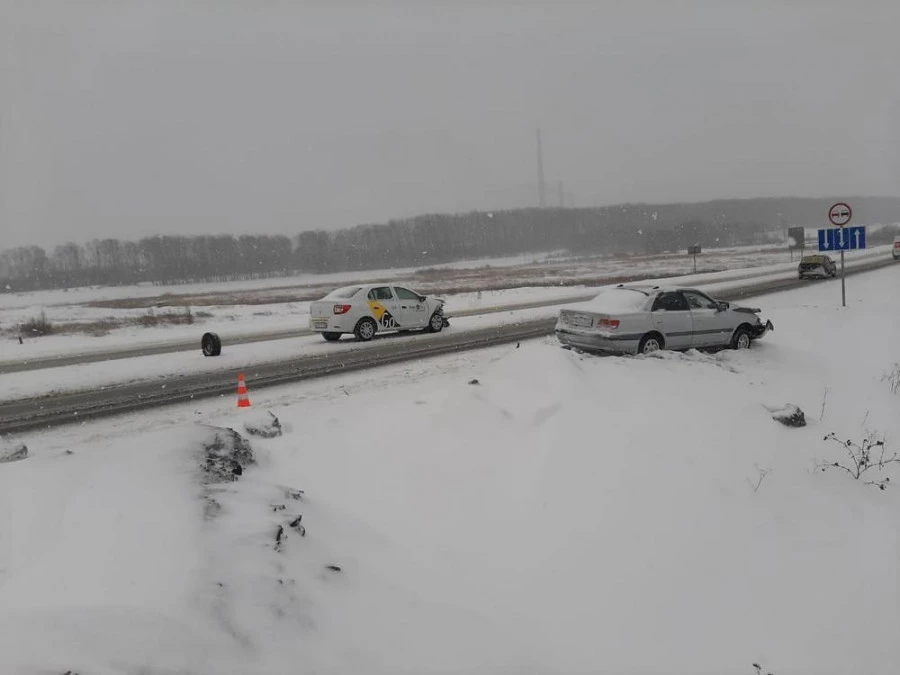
column 243, row 399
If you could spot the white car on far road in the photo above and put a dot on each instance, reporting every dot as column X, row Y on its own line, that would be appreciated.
column 365, row 309
column 643, row 319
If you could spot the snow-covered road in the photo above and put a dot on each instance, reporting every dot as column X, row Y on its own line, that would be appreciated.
column 240, row 321
column 160, row 367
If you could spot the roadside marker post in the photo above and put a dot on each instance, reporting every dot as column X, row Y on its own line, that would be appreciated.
column 841, row 238
column 694, row 250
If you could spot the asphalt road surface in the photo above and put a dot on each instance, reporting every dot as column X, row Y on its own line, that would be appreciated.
column 39, row 363
column 74, row 407
column 228, row 339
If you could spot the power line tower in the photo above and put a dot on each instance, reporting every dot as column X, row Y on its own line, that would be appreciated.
column 542, row 195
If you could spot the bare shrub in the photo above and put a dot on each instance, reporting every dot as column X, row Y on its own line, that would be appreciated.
column 38, row 325
column 865, row 460
column 761, row 476
column 97, row 328
column 148, row 320
column 152, row 319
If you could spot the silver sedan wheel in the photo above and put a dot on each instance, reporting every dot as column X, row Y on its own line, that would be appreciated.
column 650, row 345
column 743, row 341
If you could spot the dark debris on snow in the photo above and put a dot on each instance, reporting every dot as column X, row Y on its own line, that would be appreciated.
column 13, row 453
column 225, row 455
column 790, row 416
column 266, row 427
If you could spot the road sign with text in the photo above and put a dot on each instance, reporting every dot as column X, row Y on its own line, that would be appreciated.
column 796, row 236
column 842, row 238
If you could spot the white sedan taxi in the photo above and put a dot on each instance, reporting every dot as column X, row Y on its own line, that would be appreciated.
column 365, row 309
column 642, row 319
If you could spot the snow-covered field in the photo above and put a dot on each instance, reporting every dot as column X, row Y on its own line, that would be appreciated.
column 108, row 293
column 233, row 320
column 567, row 514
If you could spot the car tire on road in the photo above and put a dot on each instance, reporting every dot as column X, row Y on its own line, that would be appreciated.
column 435, row 323
column 365, row 330
column 651, row 342
column 331, row 337
column 741, row 338
column 210, row 344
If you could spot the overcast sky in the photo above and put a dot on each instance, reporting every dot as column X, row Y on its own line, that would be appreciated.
column 126, row 118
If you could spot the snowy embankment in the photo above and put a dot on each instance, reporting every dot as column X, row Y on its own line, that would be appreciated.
column 161, row 367
column 564, row 513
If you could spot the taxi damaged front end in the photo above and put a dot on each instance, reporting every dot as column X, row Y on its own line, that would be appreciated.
column 440, row 310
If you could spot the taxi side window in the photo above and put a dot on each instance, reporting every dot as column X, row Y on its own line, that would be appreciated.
column 381, row 293
column 406, row 294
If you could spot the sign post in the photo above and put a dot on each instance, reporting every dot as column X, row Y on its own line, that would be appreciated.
column 840, row 215
column 796, row 236
column 694, row 250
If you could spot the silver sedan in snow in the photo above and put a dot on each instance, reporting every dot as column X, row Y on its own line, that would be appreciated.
column 636, row 319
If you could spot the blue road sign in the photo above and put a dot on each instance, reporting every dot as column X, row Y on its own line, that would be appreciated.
column 842, row 238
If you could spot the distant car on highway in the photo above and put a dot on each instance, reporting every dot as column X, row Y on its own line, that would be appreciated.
column 896, row 250
column 816, row 266
column 366, row 309
column 635, row 319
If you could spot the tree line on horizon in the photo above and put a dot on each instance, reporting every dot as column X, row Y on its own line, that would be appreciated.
column 425, row 240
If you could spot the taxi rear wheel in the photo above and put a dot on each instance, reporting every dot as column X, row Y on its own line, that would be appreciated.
column 365, row 329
